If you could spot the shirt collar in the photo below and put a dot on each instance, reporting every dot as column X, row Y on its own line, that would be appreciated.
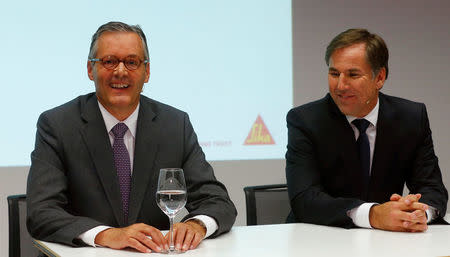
column 372, row 117
column 111, row 121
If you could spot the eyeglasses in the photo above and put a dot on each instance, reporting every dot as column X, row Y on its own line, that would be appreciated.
column 110, row 62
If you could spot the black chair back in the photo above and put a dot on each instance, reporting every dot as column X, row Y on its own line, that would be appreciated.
column 20, row 242
column 267, row 204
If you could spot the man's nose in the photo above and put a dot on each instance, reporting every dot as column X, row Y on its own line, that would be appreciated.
column 342, row 82
column 120, row 70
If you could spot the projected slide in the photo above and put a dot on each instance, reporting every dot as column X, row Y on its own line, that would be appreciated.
column 228, row 64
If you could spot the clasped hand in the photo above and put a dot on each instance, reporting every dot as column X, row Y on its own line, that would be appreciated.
column 145, row 238
column 405, row 214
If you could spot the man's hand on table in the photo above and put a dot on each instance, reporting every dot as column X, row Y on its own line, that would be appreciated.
column 134, row 236
column 405, row 214
column 146, row 239
column 187, row 235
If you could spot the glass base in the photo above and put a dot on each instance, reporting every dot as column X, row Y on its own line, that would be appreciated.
column 172, row 251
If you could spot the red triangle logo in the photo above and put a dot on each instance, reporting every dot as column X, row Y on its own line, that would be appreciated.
column 259, row 134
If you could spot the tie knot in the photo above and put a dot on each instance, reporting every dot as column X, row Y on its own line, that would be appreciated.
column 361, row 125
column 119, row 130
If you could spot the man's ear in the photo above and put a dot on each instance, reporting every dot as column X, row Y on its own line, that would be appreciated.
column 90, row 70
column 147, row 71
column 380, row 78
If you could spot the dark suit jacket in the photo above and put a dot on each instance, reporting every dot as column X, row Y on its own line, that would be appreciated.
column 323, row 172
column 73, row 186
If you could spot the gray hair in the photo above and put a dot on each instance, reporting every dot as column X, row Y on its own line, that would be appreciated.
column 116, row 26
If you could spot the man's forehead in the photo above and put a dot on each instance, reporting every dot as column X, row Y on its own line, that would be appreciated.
column 119, row 35
column 350, row 58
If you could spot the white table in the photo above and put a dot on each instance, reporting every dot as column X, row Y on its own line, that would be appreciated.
column 296, row 240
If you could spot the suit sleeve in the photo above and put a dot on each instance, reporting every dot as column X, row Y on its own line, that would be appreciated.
column 426, row 176
column 309, row 200
column 49, row 217
column 206, row 195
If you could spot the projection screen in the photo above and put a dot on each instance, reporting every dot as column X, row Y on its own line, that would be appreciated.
column 228, row 64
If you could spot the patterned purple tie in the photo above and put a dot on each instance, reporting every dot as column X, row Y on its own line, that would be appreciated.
column 122, row 163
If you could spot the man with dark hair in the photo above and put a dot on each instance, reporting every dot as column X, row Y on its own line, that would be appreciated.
column 350, row 153
column 96, row 161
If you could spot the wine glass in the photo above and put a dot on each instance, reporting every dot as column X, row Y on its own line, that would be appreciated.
column 171, row 196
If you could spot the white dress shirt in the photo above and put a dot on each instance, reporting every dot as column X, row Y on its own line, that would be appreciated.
column 360, row 214
column 129, row 139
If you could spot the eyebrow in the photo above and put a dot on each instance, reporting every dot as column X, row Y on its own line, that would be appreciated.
column 332, row 69
column 354, row 70
column 350, row 70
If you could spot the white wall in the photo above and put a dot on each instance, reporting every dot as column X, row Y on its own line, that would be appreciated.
column 417, row 35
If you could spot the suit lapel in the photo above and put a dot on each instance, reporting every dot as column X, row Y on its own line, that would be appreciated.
column 346, row 136
column 383, row 142
column 99, row 145
column 348, row 152
column 146, row 145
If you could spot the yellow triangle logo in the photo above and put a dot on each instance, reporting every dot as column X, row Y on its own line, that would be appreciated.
column 259, row 134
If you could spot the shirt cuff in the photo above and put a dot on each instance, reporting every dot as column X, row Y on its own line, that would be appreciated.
column 89, row 236
column 210, row 224
column 432, row 213
column 360, row 215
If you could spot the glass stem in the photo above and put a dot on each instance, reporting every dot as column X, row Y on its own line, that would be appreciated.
column 171, row 244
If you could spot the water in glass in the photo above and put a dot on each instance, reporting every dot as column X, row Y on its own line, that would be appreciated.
column 171, row 196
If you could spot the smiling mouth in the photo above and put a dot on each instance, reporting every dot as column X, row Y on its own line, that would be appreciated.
column 345, row 96
column 119, row 86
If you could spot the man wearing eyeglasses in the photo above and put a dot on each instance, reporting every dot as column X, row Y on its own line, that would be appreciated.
column 96, row 161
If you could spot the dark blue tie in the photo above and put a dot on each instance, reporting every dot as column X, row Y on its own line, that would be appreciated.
column 122, row 164
column 364, row 151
